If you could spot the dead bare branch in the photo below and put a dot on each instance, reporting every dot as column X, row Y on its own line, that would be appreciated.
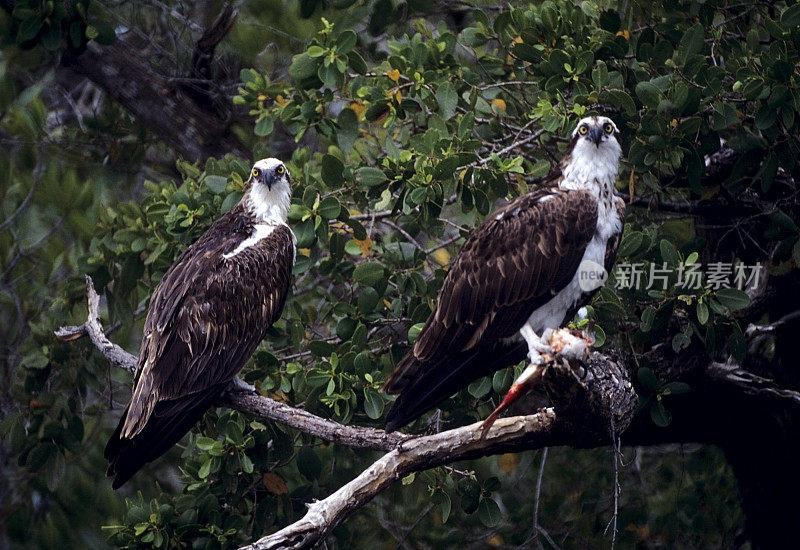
column 421, row 453
column 246, row 402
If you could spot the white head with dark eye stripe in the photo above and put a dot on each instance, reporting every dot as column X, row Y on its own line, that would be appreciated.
column 269, row 191
column 592, row 158
column 597, row 130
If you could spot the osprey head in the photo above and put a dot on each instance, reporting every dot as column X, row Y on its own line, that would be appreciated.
column 599, row 131
column 269, row 172
column 269, row 191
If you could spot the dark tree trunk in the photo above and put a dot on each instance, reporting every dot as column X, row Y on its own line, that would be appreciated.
column 187, row 123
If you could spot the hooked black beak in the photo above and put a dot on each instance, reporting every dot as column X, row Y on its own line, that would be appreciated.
column 268, row 177
column 596, row 134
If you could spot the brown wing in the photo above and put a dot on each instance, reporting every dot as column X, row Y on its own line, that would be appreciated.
column 206, row 318
column 516, row 260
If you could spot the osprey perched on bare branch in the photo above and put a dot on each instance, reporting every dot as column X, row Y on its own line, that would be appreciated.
column 206, row 317
column 523, row 272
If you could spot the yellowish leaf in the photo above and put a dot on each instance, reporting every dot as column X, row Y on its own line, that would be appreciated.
column 275, row 484
column 441, row 256
column 630, row 185
column 509, row 462
column 624, row 34
column 710, row 193
column 642, row 532
column 280, row 100
column 496, row 542
column 277, row 396
column 499, row 103
column 358, row 109
column 393, row 75
column 261, row 97
column 365, row 246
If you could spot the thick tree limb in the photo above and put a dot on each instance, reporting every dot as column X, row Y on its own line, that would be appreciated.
column 732, row 373
column 186, row 123
column 422, row 453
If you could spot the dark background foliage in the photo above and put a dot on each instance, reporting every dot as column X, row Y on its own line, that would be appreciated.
column 128, row 127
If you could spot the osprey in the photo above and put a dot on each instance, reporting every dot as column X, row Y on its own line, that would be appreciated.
column 522, row 273
column 206, row 317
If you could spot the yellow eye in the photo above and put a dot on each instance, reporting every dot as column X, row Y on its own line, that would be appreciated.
column 280, row 170
column 256, row 172
column 583, row 130
column 608, row 128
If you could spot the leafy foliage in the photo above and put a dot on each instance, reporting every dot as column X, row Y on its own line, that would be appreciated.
column 419, row 128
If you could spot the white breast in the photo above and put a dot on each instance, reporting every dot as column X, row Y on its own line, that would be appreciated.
column 260, row 231
column 551, row 314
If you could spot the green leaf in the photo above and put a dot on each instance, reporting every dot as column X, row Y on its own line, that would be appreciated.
column 315, row 51
column 348, row 129
column 647, row 379
column 304, row 231
column 29, row 28
column 332, row 169
column 308, row 463
column 669, row 253
column 303, row 67
column 230, row 201
column 691, row 43
column 205, row 469
column 217, row 184
column 369, row 273
column 489, row 512
column 247, row 464
column 619, row 99
column 791, row 16
column 631, row 241
column 367, row 300
column 733, row 298
column 346, row 42
column 480, row 387
column 447, row 98
column 264, row 126
column 370, row 176
column 702, row 313
column 357, row 62
column 51, row 38
column 329, row 207
column 648, row 94
column 413, row 332
column 373, row 403
column 659, row 414
column 445, row 504
column 105, row 33
column 736, row 343
column 676, row 388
